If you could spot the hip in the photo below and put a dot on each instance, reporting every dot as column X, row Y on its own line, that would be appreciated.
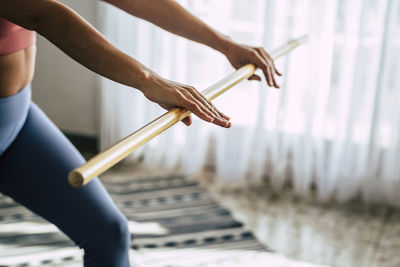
column 13, row 112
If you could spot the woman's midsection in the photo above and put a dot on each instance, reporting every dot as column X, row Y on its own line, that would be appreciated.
column 16, row 71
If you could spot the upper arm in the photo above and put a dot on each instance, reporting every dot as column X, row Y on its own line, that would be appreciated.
column 130, row 6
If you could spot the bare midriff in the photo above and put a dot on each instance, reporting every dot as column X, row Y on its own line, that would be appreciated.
column 16, row 70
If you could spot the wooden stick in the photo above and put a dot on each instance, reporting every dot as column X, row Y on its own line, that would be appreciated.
column 108, row 158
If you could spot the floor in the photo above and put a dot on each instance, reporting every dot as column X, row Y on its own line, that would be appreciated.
column 226, row 255
column 302, row 230
column 334, row 235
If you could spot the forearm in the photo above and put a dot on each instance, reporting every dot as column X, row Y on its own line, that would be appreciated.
column 77, row 38
column 169, row 15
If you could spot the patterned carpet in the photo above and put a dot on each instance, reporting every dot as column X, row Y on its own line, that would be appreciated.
column 173, row 222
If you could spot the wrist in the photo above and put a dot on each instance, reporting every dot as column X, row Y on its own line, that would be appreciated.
column 147, row 80
column 142, row 79
column 225, row 44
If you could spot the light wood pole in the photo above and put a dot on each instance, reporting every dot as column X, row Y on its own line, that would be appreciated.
column 108, row 158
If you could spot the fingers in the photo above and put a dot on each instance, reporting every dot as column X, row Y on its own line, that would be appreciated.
column 266, row 55
column 188, row 120
column 255, row 77
column 170, row 94
column 220, row 118
column 196, row 106
column 195, row 109
column 266, row 68
column 265, row 63
column 207, row 103
column 185, row 100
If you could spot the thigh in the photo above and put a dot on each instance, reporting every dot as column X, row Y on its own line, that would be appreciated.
column 34, row 170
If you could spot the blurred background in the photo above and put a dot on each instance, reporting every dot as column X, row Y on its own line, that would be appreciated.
column 327, row 144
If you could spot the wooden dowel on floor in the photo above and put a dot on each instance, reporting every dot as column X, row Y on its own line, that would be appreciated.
column 108, row 158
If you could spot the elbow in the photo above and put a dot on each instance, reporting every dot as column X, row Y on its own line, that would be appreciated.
column 42, row 15
column 35, row 23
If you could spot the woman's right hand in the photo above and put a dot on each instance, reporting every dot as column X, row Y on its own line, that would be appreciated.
column 169, row 94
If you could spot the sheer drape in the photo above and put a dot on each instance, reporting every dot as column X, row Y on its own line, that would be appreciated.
column 333, row 126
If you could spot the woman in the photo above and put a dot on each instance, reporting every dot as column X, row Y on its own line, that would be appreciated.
column 35, row 157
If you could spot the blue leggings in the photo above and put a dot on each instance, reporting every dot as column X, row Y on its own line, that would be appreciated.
column 33, row 172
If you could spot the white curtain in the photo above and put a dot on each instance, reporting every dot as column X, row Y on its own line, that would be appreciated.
column 334, row 127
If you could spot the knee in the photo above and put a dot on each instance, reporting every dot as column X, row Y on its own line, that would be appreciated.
column 111, row 244
column 115, row 233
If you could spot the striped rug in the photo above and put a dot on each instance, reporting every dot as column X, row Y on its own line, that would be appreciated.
column 173, row 222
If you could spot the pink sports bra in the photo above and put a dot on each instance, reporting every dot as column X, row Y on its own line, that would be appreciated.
column 14, row 38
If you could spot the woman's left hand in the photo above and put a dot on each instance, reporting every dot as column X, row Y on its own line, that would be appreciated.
column 240, row 55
